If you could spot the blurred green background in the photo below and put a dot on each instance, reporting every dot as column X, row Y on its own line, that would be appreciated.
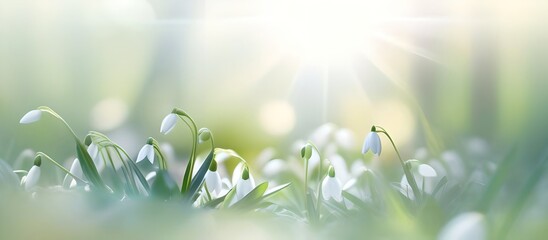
column 473, row 68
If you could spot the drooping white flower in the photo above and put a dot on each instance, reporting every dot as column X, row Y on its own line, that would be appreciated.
column 93, row 150
column 146, row 151
column 168, row 123
column 426, row 170
column 213, row 182
column 425, row 177
column 31, row 116
column 331, row 186
column 76, row 170
column 470, row 226
column 372, row 142
column 32, row 177
column 244, row 185
column 213, row 179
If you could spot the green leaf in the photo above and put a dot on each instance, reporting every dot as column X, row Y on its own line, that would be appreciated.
column 215, row 202
column 199, row 177
column 274, row 190
column 88, row 167
column 139, row 175
column 336, row 207
column 228, row 197
column 439, row 186
column 252, row 198
column 164, row 187
column 354, row 200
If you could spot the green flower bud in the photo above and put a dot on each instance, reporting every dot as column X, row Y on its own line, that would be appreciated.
column 88, row 140
column 245, row 173
column 204, row 135
column 213, row 166
column 331, row 171
column 306, row 151
column 38, row 160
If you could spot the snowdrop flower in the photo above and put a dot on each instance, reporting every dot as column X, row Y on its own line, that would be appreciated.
column 244, row 185
column 146, row 151
column 470, row 225
column 168, row 123
column 94, row 153
column 93, row 150
column 425, row 176
column 372, row 142
column 34, row 174
column 213, row 179
column 31, row 116
column 76, row 170
column 331, row 186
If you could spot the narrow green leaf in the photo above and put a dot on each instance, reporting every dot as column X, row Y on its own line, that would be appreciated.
column 215, row 202
column 164, row 187
column 274, row 190
column 439, row 186
column 360, row 204
column 198, row 179
column 252, row 198
column 88, row 167
column 139, row 175
column 229, row 197
column 336, row 207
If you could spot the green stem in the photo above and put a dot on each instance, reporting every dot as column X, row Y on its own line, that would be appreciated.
column 406, row 167
column 61, row 167
column 318, row 202
column 187, row 177
column 53, row 113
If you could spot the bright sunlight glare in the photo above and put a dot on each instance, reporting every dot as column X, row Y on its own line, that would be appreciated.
column 328, row 30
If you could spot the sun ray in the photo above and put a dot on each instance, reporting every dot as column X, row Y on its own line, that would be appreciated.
column 407, row 47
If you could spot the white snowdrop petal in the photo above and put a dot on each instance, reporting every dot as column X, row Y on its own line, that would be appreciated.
column 213, row 182
column 150, row 153
column 372, row 142
column 31, row 116
column 93, row 150
column 331, row 188
column 32, row 177
column 376, row 143
column 470, row 226
column 244, row 187
column 142, row 154
column 405, row 188
column 168, row 123
column 426, row 170
column 76, row 169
